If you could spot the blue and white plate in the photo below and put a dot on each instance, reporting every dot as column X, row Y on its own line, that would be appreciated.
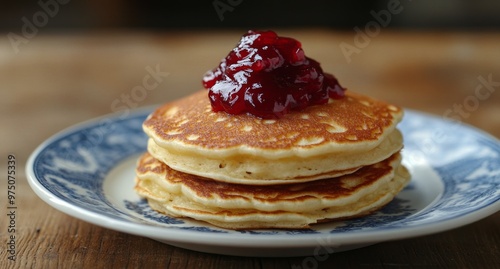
column 87, row 171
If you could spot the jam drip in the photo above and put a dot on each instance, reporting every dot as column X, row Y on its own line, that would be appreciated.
column 267, row 76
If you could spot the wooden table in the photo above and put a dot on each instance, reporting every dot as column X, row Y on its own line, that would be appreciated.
column 55, row 81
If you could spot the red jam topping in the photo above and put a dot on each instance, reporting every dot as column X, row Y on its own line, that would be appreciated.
column 267, row 76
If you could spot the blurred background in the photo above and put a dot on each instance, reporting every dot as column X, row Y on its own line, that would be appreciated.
column 160, row 15
column 68, row 61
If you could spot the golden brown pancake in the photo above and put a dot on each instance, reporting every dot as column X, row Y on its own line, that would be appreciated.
column 239, row 206
column 318, row 142
column 325, row 162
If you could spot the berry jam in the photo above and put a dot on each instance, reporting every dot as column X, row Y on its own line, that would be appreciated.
column 267, row 76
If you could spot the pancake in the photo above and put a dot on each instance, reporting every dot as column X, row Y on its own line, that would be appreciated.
column 240, row 206
column 261, row 171
column 317, row 142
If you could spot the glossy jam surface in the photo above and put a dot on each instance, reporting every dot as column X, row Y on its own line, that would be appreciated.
column 267, row 76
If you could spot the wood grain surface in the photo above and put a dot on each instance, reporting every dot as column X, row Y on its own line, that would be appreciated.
column 55, row 81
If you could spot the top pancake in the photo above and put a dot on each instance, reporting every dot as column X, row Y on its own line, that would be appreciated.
column 355, row 123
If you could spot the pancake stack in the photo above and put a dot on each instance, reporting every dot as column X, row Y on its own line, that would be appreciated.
column 326, row 162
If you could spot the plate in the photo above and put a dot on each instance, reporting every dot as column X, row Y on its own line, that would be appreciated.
column 87, row 171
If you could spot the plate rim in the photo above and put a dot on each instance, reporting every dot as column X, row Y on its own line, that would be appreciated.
column 250, row 240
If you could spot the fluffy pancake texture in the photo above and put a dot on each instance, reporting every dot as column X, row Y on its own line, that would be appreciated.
column 239, row 206
column 318, row 142
column 326, row 162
